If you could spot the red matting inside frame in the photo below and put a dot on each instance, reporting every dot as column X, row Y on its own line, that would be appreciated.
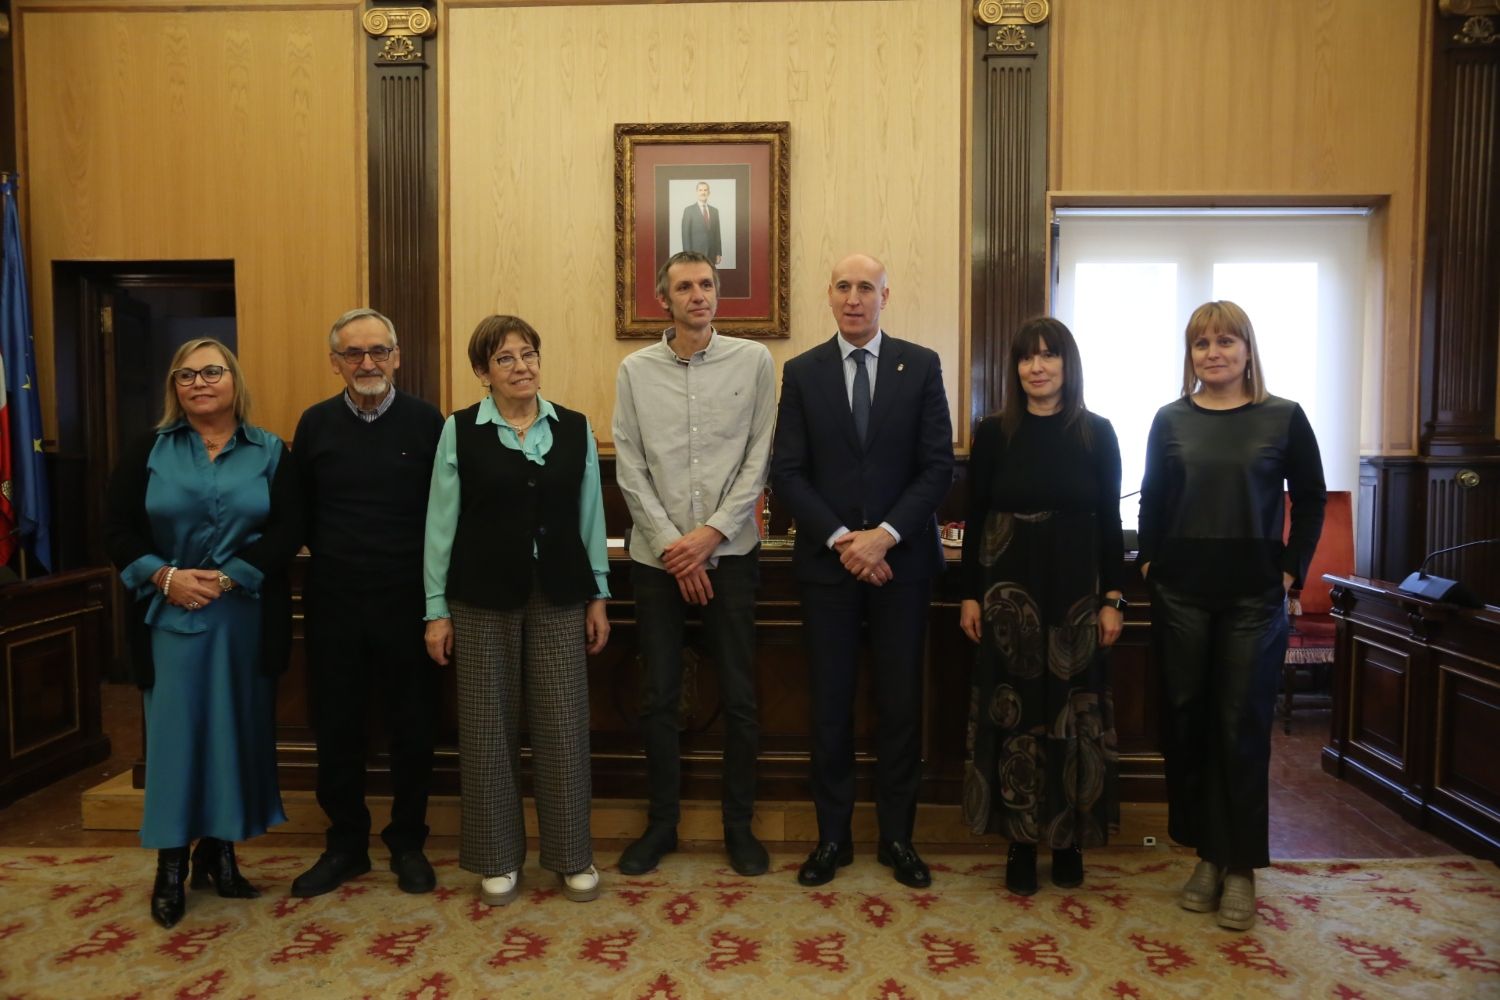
column 651, row 159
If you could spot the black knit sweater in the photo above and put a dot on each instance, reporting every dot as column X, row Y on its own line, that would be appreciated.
column 366, row 491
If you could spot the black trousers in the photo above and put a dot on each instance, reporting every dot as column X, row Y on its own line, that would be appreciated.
column 837, row 617
column 1221, row 662
column 729, row 633
column 364, row 648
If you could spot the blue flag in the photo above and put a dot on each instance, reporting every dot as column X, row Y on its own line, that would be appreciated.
column 30, row 496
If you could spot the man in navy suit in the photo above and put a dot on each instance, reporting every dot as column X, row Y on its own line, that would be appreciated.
column 700, row 227
column 863, row 456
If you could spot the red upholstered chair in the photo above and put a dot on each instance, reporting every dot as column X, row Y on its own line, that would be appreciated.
column 1311, row 641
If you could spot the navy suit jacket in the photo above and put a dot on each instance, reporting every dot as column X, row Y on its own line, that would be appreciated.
column 705, row 239
column 825, row 478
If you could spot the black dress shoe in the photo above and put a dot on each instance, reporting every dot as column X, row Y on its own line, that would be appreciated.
column 329, row 872
column 168, row 900
column 1067, row 867
column 214, row 867
column 910, row 869
column 414, row 872
column 1020, row 869
column 646, row 853
column 747, row 856
column 824, row 862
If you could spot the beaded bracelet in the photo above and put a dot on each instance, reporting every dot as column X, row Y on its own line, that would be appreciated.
column 166, row 581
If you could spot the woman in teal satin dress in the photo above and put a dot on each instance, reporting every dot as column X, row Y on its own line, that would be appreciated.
column 203, row 521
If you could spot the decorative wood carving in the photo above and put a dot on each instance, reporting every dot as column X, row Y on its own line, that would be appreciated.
column 1011, row 12
column 1010, row 183
column 403, row 185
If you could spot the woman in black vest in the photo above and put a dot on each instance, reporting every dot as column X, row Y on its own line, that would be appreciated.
column 517, row 576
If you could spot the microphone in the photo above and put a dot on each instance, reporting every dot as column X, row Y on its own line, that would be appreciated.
column 1437, row 588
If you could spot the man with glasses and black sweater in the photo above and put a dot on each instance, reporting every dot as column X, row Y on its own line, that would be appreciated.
column 365, row 457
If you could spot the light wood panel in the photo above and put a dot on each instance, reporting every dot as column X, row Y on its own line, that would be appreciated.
column 1276, row 97
column 218, row 133
column 873, row 92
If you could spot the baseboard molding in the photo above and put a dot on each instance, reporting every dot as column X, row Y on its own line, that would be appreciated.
column 115, row 805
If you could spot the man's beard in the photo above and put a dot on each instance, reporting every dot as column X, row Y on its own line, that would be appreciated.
column 372, row 388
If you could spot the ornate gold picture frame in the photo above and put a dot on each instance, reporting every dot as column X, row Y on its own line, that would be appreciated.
column 721, row 188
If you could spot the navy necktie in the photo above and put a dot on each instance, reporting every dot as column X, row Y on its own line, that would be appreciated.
column 861, row 395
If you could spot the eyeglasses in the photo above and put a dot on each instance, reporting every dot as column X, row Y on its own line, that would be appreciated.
column 187, row 376
column 355, row 356
column 505, row 362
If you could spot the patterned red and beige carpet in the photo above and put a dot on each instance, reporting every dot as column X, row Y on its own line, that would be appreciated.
column 74, row 923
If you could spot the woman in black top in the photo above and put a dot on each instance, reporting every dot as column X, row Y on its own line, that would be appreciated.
column 1043, row 564
column 1211, row 548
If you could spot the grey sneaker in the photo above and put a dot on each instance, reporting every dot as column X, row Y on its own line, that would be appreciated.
column 1202, row 891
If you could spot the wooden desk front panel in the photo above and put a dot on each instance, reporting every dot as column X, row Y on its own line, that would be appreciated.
column 1416, row 709
column 784, row 701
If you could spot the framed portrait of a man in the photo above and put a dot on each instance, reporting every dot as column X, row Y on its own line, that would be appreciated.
column 720, row 189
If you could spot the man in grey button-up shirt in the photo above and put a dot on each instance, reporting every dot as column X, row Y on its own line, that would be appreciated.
column 692, row 429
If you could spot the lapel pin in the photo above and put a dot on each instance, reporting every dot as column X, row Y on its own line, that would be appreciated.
column 901, row 367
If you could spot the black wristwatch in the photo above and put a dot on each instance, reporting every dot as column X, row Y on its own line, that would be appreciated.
column 1118, row 603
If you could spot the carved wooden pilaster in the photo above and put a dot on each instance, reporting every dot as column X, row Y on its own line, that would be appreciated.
column 1461, row 298
column 1010, row 185
column 403, row 186
column 1450, row 493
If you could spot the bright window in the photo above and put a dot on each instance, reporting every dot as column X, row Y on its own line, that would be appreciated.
column 1127, row 280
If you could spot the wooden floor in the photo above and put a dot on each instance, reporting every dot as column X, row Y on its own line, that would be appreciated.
column 1312, row 814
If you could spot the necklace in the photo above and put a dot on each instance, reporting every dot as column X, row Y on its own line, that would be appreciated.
column 521, row 428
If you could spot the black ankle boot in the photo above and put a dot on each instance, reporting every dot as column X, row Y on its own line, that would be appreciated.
column 214, row 865
column 1067, row 867
column 167, row 898
column 1020, row 869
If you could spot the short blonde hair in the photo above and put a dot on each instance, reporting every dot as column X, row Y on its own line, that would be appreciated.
column 1225, row 317
column 171, row 410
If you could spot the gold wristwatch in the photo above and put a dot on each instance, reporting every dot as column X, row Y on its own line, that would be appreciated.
column 225, row 584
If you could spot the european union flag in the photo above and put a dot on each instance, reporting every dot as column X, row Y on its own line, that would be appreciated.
column 30, row 496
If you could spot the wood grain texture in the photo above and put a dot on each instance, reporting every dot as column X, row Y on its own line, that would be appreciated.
column 873, row 94
column 154, row 134
column 1279, row 97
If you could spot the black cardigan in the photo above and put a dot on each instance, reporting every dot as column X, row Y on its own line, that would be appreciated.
column 127, row 537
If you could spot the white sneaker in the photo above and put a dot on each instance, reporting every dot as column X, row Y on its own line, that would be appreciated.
column 581, row 887
column 501, row 889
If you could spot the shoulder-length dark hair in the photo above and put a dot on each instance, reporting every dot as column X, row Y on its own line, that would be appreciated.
column 1031, row 338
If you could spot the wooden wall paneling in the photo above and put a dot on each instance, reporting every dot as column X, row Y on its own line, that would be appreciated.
column 873, row 92
column 1277, row 98
column 1008, row 209
column 1461, row 316
column 1391, row 494
column 403, row 184
column 157, row 132
column 1463, row 505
